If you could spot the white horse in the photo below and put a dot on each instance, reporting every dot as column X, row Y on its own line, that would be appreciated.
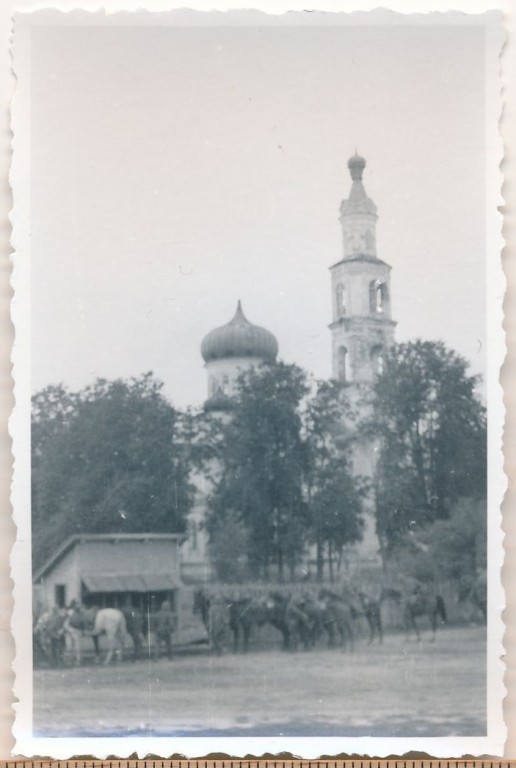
column 111, row 623
column 95, row 622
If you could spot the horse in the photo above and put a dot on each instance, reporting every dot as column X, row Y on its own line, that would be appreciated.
column 339, row 615
column 315, row 611
column 95, row 622
column 244, row 614
column 275, row 606
column 215, row 617
column 419, row 602
column 371, row 609
column 296, row 617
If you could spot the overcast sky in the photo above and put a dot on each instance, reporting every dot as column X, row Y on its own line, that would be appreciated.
column 175, row 171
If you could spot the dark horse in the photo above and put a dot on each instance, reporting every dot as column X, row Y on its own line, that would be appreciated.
column 419, row 602
column 338, row 619
column 292, row 618
column 245, row 613
column 371, row 609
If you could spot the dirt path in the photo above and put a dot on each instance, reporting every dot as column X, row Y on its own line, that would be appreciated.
column 398, row 689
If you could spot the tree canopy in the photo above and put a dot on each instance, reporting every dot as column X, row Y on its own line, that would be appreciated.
column 282, row 475
column 109, row 458
column 430, row 432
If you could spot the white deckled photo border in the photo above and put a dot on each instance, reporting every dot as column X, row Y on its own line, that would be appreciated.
column 20, row 178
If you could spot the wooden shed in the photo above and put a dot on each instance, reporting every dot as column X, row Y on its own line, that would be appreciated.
column 123, row 570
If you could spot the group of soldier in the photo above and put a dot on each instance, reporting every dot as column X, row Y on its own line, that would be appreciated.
column 303, row 620
column 60, row 631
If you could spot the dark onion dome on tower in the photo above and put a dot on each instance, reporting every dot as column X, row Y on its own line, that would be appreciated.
column 358, row 202
column 356, row 165
column 239, row 338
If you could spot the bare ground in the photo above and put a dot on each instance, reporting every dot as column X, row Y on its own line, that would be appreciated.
column 398, row 689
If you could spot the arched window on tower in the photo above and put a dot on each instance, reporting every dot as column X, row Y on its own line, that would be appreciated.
column 340, row 299
column 342, row 364
column 378, row 360
column 378, row 297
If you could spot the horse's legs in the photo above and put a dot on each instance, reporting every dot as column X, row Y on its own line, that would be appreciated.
column 410, row 623
column 351, row 635
column 75, row 640
column 96, row 646
column 370, row 624
column 416, row 628
column 236, row 634
column 247, row 635
column 114, row 643
column 433, row 619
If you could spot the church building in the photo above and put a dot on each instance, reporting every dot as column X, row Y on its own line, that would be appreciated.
column 362, row 330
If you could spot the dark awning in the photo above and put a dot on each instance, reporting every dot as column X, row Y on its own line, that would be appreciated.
column 148, row 582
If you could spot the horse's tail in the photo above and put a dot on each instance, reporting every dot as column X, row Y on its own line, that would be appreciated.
column 441, row 608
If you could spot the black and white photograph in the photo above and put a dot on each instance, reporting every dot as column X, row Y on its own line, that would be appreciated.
column 258, row 471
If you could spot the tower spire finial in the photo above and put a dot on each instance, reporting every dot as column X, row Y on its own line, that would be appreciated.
column 356, row 165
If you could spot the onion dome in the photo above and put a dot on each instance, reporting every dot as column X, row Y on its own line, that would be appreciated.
column 356, row 165
column 239, row 338
column 358, row 202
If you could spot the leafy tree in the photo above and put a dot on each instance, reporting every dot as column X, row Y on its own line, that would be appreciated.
column 110, row 458
column 262, row 461
column 229, row 545
column 334, row 494
column 285, row 470
column 430, row 433
column 454, row 549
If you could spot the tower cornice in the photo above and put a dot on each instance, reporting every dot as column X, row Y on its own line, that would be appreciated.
column 360, row 257
column 358, row 322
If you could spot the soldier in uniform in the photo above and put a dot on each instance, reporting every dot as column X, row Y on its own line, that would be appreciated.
column 165, row 624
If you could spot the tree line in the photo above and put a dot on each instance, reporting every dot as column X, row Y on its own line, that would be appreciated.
column 281, row 465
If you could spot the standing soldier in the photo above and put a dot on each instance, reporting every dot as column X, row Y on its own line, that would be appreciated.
column 56, row 634
column 135, row 629
column 218, row 624
column 165, row 625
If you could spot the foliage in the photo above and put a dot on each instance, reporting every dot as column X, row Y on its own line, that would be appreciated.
column 110, row 458
column 262, row 465
column 284, row 475
column 453, row 549
column 430, row 433
column 335, row 495
column 229, row 544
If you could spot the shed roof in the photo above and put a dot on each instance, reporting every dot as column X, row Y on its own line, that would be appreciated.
column 81, row 537
column 147, row 582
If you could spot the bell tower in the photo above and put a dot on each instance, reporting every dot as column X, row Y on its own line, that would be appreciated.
column 362, row 328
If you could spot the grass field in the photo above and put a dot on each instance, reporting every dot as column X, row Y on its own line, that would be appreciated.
column 397, row 689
